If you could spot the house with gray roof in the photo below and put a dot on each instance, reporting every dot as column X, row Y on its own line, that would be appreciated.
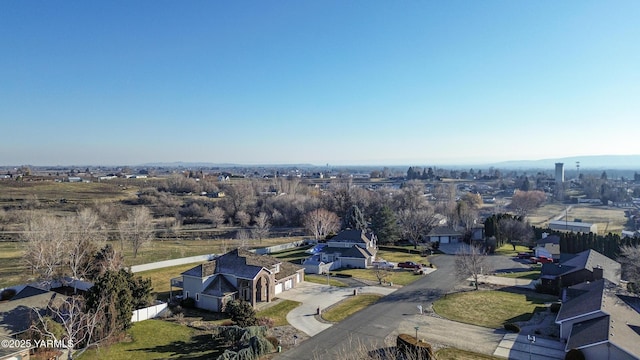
column 238, row 274
column 444, row 235
column 599, row 322
column 348, row 249
column 588, row 265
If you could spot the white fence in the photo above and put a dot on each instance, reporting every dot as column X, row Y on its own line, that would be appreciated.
column 173, row 262
column 147, row 313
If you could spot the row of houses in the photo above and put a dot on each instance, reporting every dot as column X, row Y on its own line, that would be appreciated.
column 597, row 316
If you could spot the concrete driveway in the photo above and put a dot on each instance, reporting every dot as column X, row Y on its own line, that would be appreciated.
column 314, row 296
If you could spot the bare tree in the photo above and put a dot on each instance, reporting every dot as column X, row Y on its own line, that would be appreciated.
column 45, row 245
column 416, row 224
column 411, row 196
column 321, row 222
column 83, row 238
column 239, row 196
column 523, row 202
column 244, row 237
column 470, row 262
column 137, row 229
column 630, row 260
column 79, row 325
column 381, row 274
column 216, row 215
column 261, row 227
column 243, row 218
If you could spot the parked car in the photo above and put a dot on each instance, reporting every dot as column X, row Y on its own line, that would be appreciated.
column 383, row 264
column 524, row 255
column 409, row 265
column 540, row 260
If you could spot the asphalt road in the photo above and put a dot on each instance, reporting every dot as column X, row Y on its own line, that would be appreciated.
column 369, row 327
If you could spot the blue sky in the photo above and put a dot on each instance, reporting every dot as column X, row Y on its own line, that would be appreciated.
column 339, row 82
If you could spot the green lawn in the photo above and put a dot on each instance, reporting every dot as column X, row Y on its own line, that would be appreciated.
column 507, row 250
column 322, row 279
column 532, row 275
column 401, row 256
column 457, row 354
column 12, row 267
column 295, row 255
column 279, row 312
column 349, row 306
column 490, row 309
column 158, row 339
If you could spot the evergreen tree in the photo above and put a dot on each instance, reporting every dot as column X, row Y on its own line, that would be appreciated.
column 112, row 290
column 354, row 219
column 241, row 313
column 385, row 225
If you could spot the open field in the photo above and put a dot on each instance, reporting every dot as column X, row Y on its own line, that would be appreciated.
column 45, row 191
column 491, row 309
column 608, row 219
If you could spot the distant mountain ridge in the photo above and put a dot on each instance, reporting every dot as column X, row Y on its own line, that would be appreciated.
column 586, row 162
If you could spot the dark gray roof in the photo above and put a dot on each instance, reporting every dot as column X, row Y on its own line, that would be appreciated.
column 241, row 263
column 352, row 236
column 28, row 291
column 589, row 332
column 551, row 239
column 443, row 231
column 588, row 259
column 356, row 252
column 585, row 298
column 220, row 287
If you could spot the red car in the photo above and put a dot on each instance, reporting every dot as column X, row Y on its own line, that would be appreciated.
column 541, row 260
column 409, row 265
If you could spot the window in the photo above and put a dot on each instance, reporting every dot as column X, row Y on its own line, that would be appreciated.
column 186, row 294
column 197, row 297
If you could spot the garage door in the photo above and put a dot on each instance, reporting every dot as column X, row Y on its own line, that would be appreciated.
column 444, row 239
column 278, row 288
column 288, row 284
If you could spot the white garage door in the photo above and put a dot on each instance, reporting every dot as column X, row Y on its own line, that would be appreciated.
column 444, row 239
column 278, row 288
column 288, row 284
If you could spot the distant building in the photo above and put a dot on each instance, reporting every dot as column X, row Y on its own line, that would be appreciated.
column 573, row 226
column 559, row 173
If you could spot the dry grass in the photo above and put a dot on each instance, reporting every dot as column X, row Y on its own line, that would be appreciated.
column 491, row 309
column 457, row 354
column 350, row 306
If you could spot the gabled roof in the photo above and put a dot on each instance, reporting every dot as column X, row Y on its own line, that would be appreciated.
column 589, row 333
column 28, row 291
column 356, row 252
column 443, row 231
column 588, row 259
column 585, row 298
column 16, row 315
column 241, row 263
column 355, row 236
column 220, row 287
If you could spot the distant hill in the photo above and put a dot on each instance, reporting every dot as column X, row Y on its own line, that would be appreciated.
column 184, row 164
column 586, row 162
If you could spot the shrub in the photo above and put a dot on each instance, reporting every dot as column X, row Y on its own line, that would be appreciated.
column 574, row 354
column 512, row 327
column 188, row 303
column 407, row 345
column 266, row 321
column 274, row 341
column 260, row 346
column 241, row 313
column 555, row 307
column 7, row 294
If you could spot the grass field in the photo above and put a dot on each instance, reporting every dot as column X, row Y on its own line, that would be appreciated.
column 491, row 309
column 158, row 339
column 507, row 250
column 400, row 256
column 87, row 193
column 279, row 312
column 349, row 307
column 322, row 279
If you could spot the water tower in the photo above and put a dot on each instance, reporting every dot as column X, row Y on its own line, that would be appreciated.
column 559, row 173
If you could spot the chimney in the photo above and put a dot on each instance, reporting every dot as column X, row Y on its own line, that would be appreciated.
column 597, row 273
